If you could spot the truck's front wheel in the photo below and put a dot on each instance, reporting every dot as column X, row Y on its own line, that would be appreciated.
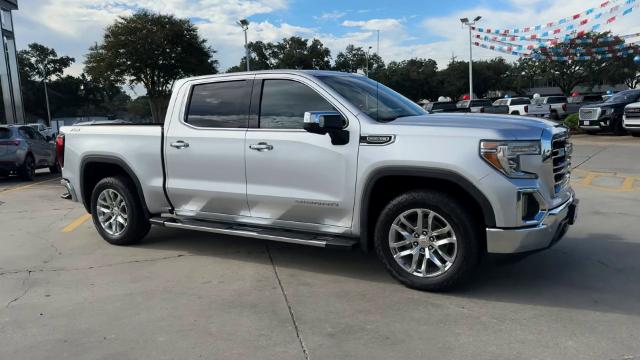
column 427, row 240
column 117, row 212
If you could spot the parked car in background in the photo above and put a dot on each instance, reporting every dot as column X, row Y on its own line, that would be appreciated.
column 558, row 106
column 574, row 103
column 607, row 115
column 524, row 106
column 441, row 106
column 631, row 119
column 23, row 150
column 431, row 193
column 481, row 106
column 47, row 132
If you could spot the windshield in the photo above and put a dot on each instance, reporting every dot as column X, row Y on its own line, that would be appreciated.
column 624, row 96
column 373, row 98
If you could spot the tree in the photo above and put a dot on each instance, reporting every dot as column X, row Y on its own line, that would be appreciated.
column 414, row 78
column 40, row 63
column 153, row 50
column 290, row 53
column 354, row 58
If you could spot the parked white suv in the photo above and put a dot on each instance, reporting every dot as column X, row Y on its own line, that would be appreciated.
column 524, row 106
column 329, row 159
column 631, row 119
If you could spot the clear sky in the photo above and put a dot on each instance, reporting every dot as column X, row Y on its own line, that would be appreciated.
column 426, row 28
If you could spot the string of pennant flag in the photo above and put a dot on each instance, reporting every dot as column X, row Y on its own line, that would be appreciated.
column 607, row 10
column 558, row 51
column 594, row 54
column 552, row 43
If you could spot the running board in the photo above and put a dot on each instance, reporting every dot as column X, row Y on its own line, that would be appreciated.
column 287, row 236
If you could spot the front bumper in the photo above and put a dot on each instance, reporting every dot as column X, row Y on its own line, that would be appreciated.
column 631, row 123
column 601, row 124
column 548, row 232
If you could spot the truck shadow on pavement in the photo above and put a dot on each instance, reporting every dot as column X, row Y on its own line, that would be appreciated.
column 579, row 273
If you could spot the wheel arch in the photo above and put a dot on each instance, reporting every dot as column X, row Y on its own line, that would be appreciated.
column 94, row 168
column 413, row 179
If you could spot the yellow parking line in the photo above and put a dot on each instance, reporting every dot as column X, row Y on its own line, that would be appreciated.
column 76, row 223
column 26, row 186
column 627, row 185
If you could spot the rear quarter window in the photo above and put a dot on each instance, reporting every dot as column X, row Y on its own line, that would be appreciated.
column 5, row 133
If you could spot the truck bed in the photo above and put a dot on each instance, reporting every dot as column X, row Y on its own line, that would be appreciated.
column 139, row 146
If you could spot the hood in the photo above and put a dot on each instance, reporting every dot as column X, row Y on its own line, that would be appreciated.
column 606, row 105
column 501, row 126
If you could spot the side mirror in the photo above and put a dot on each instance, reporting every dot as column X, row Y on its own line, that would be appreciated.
column 327, row 122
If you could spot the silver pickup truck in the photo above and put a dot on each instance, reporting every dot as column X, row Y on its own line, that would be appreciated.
column 330, row 160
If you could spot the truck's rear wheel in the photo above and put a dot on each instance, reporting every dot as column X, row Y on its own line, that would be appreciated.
column 427, row 240
column 117, row 212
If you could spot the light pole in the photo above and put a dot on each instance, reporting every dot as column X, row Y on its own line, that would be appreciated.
column 244, row 24
column 470, row 24
column 367, row 61
column 46, row 92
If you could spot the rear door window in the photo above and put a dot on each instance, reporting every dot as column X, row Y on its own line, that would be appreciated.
column 220, row 105
column 27, row 132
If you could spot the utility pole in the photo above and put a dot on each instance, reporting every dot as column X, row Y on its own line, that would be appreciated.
column 470, row 24
column 244, row 24
column 45, row 76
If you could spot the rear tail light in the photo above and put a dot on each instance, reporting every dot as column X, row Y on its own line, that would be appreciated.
column 526, row 108
column 564, row 107
column 60, row 149
column 10, row 142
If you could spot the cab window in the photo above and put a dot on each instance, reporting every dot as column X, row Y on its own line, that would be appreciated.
column 220, row 105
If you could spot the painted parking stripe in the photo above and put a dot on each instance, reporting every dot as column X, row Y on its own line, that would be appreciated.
column 76, row 223
column 26, row 186
column 628, row 183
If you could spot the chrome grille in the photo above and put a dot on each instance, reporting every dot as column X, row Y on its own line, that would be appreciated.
column 590, row 114
column 561, row 156
column 632, row 113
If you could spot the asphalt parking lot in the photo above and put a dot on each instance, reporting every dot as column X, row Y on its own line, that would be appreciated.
column 67, row 294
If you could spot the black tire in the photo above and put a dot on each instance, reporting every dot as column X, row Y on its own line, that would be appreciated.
column 515, row 113
column 462, row 222
column 137, row 225
column 27, row 171
column 617, row 127
column 4, row 173
column 592, row 132
column 55, row 168
column 635, row 134
column 555, row 116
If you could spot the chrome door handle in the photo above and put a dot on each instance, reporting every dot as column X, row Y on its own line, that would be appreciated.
column 261, row 147
column 180, row 144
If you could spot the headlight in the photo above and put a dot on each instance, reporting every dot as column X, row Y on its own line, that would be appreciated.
column 505, row 156
column 608, row 112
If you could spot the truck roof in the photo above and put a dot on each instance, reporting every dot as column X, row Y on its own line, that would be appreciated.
column 313, row 73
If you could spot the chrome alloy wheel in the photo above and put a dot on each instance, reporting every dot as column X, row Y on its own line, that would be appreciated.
column 423, row 243
column 112, row 212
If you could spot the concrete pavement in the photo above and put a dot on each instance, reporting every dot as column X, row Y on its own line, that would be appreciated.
column 185, row 295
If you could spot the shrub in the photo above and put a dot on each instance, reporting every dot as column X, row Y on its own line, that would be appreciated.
column 572, row 122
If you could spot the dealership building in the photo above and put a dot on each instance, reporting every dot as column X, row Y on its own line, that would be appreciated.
column 12, row 107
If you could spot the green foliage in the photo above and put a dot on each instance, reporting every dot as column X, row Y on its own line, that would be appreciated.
column 153, row 50
column 354, row 58
column 290, row 53
column 39, row 62
column 572, row 122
